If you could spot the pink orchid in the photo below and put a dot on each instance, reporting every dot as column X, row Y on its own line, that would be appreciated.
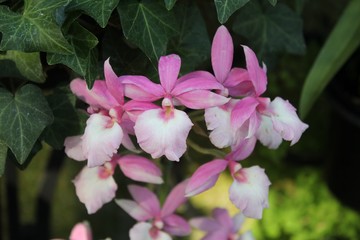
column 155, row 223
column 81, row 231
column 110, row 121
column 221, row 226
column 249, row 191
column 96, row 186
column 163, row 131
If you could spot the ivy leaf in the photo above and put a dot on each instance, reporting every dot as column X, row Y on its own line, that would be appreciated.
column 35, row 29
column 270, row 29
column 148, row 25
column 22, row 65
column 225, row 8
column 66, row 119
column 100, row 10
column 273, row 2
column 3, row 154
column 22, row 119
column 84, row 59
column 193, row 43
column 169, row 4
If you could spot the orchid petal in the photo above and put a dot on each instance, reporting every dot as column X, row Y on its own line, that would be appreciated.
column 141, row 231
column 195, row 84
column 169, row 68
column 175, row 198
column 221, row 215
column 243, row 111
column 73, row 148
column 159, row 135
column 195, row 99
column 238, row 83
column 196, row 74
column 128, row 144
column 135, row 108
column 99, row 96
column 242, row 149
column 237, row 222
column 93, row 188
column 216, row 235
column 247, row 236
column 140, row 88
column 222, row 51
column 134, row 209
column 81, row 231
column 249, row 191
column 256, row 73
column 140, row 169
column 205, row 224
column 113, row 83
column 176, row 225
column 101, row 140
column 145, row 198
column 205, row 177
column 267, row 135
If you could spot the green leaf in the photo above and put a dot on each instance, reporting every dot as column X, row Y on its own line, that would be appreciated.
column 169, row 4
column 270, row 29
column 225, row 8
column 193, row 43
column 3, row 154
column 148, row 25
column 22, row 119
column 341, row 43
column 35, row 29
column 22, row 65
column 100, row 10
column 273, row 2
column 84, row 59
column 66, row 119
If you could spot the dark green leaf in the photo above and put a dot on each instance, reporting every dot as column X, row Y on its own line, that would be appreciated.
column 193, row 43
column 3, row 154
column 270, row 29
column 100, row 10
column 84, row 60
column 66, row 119
column 225, row 8
column 273, row 2
column 35, row 29
column 148, row 25
column 23, row 117
column 22, row 65
column 169, row 4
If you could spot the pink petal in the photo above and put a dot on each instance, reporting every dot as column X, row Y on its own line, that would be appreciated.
column 134, row 210
column 222, row 51
column 216, row 235
column 243, row 111
column 101, row 139
column 135, row 108
column 99, row 96
column 159, row 135
column 242, row 149
column 140, row 169
column 205, row 224
column 140, row 88
column 267, row 135
column 73, row 148
column 81, row 231
column 285, row 120
column 196, row 74
column 195, row 99
column 249, row 191
column 93, row 189
column 141, row 231
column 113, row 83
column 175, row 198
column 205, row 177
column 238, row 83
column 176, row 225
column 221, row 215
column 145, row 198
column 197, row 83
column 128, row 144
column 256, row 73
column 238, row 221
column 169, row 68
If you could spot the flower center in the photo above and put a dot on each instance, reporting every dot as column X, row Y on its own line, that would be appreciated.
column 106, row 170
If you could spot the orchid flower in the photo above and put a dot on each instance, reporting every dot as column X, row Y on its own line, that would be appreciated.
column 221, row 226
column 248, row 192
column 155, row 223
column 110, row 121
column 163, row 131
column 96, row 186
column 240, row 122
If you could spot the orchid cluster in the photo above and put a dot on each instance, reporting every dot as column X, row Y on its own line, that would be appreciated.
column 128, row 107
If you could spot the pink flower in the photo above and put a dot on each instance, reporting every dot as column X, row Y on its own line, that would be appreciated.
column 221, row 226
column 96, row 186
column 249, row 191
column 163, row 131
column 155, row 222
column 110, row 121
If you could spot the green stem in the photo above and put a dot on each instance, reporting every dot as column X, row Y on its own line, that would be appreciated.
column 209, row 151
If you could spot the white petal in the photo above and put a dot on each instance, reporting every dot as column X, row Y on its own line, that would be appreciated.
column 141, row 231
column 267, row 135
column 93, row 188
column 159, row 135
column 101, row 139
column 73, row 148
